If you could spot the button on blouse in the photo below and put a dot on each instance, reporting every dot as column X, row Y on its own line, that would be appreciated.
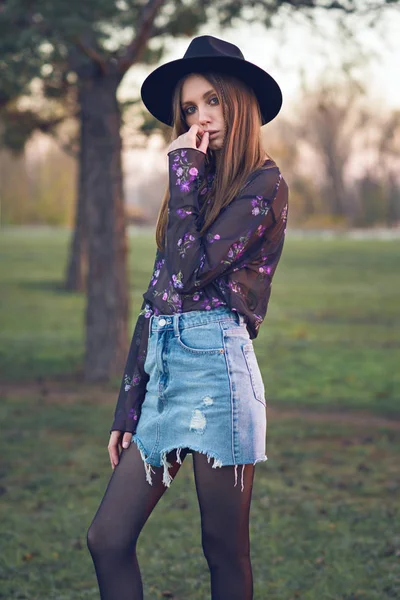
column 232, row 264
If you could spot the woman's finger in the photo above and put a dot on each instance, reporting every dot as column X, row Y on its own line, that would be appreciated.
column 113, row 448
column 114, row 458
column 126, row 442
column 189, row 139
column 194, row 133
column 204, row 142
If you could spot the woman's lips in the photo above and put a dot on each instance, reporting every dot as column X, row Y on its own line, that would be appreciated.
column 213, row 134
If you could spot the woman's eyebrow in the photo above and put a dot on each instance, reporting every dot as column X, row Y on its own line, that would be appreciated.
column 204, row 96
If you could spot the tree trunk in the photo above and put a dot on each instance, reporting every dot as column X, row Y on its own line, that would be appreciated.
column 107, row 289
column 334, row 167
column 77, row 261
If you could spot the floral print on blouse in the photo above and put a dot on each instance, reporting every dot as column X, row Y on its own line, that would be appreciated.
column 232, row 264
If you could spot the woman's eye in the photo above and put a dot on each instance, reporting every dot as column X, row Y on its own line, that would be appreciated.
column 187, row 110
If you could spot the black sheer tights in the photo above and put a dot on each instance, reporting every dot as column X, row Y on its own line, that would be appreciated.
column 128, row 502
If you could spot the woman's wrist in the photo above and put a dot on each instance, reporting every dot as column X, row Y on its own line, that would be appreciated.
column 186, row 148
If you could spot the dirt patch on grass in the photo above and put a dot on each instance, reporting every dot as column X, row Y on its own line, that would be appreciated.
column 344, row 417
column 60, row 391
column 70, row 391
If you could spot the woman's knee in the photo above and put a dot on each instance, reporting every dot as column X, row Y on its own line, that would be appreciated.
column 215, row 547
column 102, row 541
column 92, row 539
column 96, row 538
column 221, row 545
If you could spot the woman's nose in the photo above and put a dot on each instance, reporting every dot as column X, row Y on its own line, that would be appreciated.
column 204, row 117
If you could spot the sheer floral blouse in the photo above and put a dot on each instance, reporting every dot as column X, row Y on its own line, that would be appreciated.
column 232, row 264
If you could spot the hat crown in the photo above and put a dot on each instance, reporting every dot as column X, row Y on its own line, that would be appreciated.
column 208, row 45
column 207, row 53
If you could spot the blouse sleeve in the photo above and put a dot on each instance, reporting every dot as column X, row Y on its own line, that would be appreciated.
column 192, row 260
column 133, row 385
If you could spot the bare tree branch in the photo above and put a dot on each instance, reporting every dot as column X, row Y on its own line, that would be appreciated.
column 347, row 7
column 70, row 148
column 92, row 54
column 142, row 35
column 49, row 127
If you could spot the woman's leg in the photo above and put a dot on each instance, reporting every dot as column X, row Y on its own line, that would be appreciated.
column 114, row 531
column 225, row 511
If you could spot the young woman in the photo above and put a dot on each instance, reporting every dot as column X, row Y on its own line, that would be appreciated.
column 192, row 383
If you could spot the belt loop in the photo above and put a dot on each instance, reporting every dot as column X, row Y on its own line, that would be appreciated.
column 175, row 318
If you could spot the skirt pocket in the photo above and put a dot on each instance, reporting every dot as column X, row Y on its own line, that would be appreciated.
column 202, row 338
column 255, row 373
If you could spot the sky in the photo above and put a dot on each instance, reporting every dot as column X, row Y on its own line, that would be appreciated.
column 293, row 50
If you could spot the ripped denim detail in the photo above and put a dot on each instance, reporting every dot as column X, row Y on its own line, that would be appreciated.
column 167, row 478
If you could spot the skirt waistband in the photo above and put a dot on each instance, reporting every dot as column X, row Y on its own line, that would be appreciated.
column 177, row 321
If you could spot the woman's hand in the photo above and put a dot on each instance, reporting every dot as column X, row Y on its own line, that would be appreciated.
column 118, row 438
column 190, row 140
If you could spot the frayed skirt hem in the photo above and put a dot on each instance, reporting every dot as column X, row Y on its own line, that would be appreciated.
column 167, row 478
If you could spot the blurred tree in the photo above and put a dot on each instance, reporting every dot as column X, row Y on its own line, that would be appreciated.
column 389, row 159
column 342, row 127
column 330, row 120
column 378, row 190
column 82, row 50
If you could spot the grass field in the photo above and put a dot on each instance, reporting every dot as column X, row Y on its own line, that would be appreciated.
column 325, row 509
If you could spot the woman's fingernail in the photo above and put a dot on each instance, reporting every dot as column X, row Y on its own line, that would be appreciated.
column 125, row 444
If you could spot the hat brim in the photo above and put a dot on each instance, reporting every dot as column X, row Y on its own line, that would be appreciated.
column 158, row 87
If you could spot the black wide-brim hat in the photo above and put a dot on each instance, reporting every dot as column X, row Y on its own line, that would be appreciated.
column 206, row 53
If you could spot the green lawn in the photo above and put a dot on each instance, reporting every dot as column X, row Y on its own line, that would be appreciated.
column 325, row 516
column 330, row 338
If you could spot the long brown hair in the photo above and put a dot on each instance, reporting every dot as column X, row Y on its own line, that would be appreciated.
column 242, row 151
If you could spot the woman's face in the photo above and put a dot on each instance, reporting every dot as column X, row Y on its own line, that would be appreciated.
column 200, row 105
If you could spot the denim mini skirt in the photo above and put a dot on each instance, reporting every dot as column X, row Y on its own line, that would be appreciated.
column 205, row 392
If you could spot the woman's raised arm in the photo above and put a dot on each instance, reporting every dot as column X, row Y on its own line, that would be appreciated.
column 192, row 260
